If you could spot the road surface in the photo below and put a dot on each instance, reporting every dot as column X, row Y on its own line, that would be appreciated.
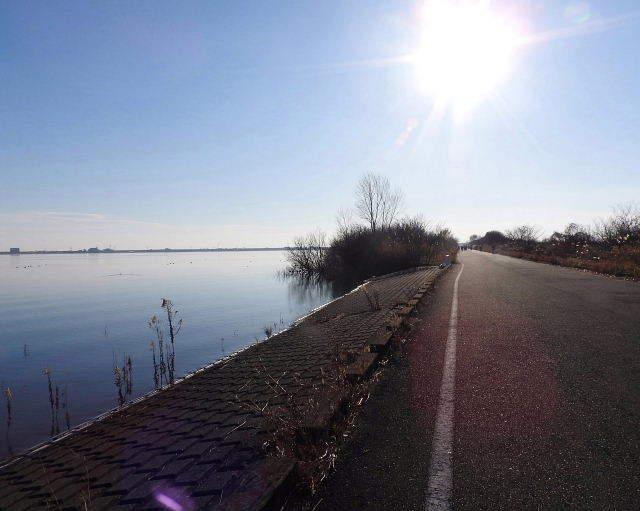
column 544, row 411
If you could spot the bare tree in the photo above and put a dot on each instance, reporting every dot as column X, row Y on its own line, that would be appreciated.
column 307, row 256
column 344, row 220
column 575, row 233
column 622, row 227
column 524, row 236
column 376, row 202
column 437, row 240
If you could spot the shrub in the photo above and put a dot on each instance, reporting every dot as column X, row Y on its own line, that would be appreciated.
column 308, row 254
column 382, row 245
column 612, row 246
column 358, row 252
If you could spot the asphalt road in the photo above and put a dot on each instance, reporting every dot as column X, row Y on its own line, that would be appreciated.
column 547, row 396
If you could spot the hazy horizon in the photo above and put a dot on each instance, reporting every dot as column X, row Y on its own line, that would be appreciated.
column 102, row 248
column 207, row 125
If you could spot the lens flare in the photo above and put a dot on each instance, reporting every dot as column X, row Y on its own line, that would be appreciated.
column 168, row 502
column 173, row 499
column 577, row 12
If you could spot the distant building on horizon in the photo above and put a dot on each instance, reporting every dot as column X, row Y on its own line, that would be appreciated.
column 14, row 250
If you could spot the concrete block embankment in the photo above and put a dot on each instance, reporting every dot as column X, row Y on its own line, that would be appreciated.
column 200, row 443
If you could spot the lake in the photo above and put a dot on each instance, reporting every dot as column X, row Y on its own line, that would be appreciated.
column 74, row 315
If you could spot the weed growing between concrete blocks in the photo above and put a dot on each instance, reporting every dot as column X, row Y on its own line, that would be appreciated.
column 357, row 394
column 85, row 497
column 372, row 296
column 298, row 412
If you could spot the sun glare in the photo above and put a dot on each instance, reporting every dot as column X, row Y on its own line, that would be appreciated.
column 465, row 50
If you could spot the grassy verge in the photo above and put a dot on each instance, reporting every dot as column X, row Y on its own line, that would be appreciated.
column 622, row 264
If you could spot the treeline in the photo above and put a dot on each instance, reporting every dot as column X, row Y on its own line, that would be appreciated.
column 608, row 246
column 371, row 239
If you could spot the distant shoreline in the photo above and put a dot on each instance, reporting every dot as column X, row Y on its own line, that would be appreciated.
column 146, row 251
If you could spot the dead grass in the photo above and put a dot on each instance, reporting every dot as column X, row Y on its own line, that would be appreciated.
column 164, row 364
column 299, row 412
column 372, row 296
column 123, row 380
column 310, row 421
column 622, row 262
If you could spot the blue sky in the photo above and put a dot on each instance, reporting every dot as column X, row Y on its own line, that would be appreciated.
column 206, row 124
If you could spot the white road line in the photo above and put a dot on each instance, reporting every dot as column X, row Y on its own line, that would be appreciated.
column 440, row 487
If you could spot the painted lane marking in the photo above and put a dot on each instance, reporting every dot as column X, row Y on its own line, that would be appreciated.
column 440, row 486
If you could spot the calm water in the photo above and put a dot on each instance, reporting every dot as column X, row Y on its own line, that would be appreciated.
column 72, row 314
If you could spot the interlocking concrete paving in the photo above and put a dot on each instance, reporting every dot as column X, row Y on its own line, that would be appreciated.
column 199, row 444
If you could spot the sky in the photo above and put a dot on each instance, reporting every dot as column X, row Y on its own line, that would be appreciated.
column 222, row 124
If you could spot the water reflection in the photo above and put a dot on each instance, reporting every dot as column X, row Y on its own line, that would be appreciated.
column 307, row 289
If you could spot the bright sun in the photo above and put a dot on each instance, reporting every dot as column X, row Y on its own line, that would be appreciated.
column 465, row 50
